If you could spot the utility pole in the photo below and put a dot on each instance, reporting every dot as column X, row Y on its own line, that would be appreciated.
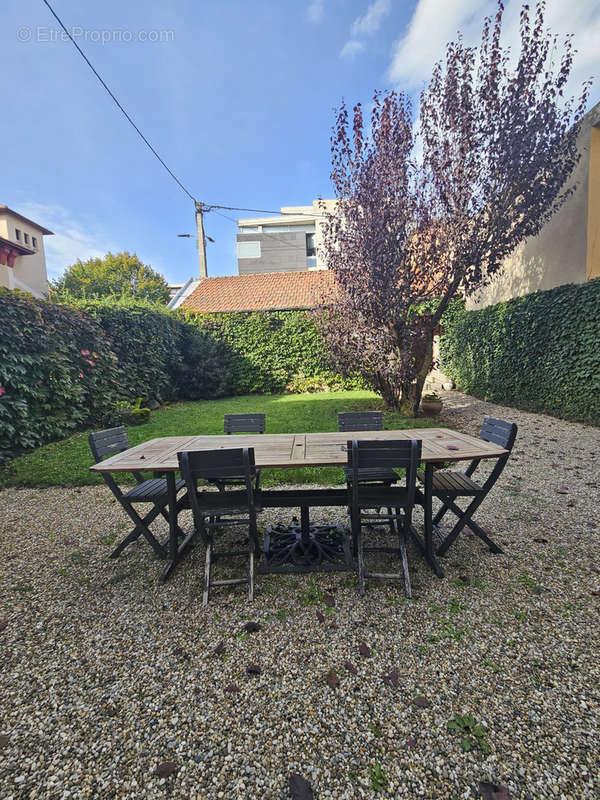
column 201, row 240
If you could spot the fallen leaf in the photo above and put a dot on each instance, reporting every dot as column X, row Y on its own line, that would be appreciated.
column 166, row 768
column 253, row 669
column 364, row 650
column 320, row 617
column 351, row 668
column 219, row 649
column 300, row 788
column 492, row 791
column 392, row 679
column 596, row 592
column 421, row 702
column 232, row 687
column 329, row 600
column 333, row 626
column 251, row 627
column 180, row 653
column 541, row 540
column 332, row 679
column 411, row 743
column 4, row 740
column 561, row 491
column 3, row 624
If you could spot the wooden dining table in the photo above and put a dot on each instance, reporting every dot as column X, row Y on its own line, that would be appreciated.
column 290, row 450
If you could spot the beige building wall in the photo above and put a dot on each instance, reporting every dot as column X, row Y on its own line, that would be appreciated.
column 29, row 271
column 567, row 249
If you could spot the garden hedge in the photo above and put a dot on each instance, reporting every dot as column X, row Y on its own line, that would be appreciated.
column 540, row 352
column 273, row 350
column 65, row 366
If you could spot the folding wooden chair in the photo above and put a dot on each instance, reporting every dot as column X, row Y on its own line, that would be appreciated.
column 399, row 499
column 365, row 421
column 213, row 510
column 153, row 490
column 243, row 423
column 447, row 485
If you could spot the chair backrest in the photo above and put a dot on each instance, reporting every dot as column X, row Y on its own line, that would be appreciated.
column 216, row 464
column 360, row 421
column 502, row 433
column 499, row 431
column 244, row 423
column 108, row 443
column 389, row 454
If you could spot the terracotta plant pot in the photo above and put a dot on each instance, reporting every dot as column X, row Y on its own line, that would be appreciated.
column 431, row 408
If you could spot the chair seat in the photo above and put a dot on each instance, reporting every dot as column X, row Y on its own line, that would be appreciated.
column 377, row 496
column 151, row 490
column 368, row 474
column 452, row 483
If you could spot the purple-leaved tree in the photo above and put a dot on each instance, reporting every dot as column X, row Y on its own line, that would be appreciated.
column 428, row 209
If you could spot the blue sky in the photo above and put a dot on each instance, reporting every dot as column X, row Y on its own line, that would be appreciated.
column 238, row 98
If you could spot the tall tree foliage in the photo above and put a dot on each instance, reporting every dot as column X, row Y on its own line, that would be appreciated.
column 120, row 274
column 428, row 208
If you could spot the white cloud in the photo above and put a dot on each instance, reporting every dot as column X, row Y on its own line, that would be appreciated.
column 436, row 22
column 371, row 20
column 351, row 48
column 75, row 237
column 366, row 25
column 315, row 10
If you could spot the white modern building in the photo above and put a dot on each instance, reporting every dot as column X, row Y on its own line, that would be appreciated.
column 284, row 243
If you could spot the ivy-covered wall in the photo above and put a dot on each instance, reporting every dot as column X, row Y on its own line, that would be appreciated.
column 540, row 352
column 273, row 350
column 65, row 366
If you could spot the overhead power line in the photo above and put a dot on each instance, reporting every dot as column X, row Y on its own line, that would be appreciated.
column 210, row 206
column 126, row 115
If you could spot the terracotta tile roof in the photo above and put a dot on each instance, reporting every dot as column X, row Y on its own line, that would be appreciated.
column 260, row 292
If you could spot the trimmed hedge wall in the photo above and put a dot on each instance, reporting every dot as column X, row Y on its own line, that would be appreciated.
column 65, row 366
column 540, row 352
column 273, row 350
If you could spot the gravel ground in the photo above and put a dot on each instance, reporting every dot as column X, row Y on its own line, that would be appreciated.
column 106, row 675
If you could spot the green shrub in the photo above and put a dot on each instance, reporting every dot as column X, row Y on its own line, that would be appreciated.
column 57, row 370
column 270, row 350
column 539, row 352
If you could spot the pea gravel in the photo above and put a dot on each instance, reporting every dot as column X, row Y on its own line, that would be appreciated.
column 106, row 675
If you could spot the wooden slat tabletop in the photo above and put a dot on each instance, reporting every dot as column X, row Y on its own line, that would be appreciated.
column 297, row 449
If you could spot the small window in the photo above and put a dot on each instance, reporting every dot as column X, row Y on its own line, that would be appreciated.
column 311, row 250
column 18, row 234
column 34, row 242
column 248, row 249
column 26, row 238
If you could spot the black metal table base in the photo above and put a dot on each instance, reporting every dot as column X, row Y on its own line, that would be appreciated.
column 305, row 548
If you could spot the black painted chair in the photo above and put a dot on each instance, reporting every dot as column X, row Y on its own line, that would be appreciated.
column 214, row 510
column 365, row 421
column 148, row 490
column 398, row 499
column 243, row 423
column 448, row 485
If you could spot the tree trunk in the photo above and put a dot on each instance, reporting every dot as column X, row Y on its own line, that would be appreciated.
column 412, row 390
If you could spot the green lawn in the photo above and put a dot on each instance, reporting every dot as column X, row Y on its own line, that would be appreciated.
column 68, row 461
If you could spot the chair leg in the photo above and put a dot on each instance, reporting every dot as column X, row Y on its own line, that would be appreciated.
column 464, row 519
column 251, row 573
column 361, row 561
column 207, row 572
column 440, row 514
column 141, row 529
column 402, row 538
